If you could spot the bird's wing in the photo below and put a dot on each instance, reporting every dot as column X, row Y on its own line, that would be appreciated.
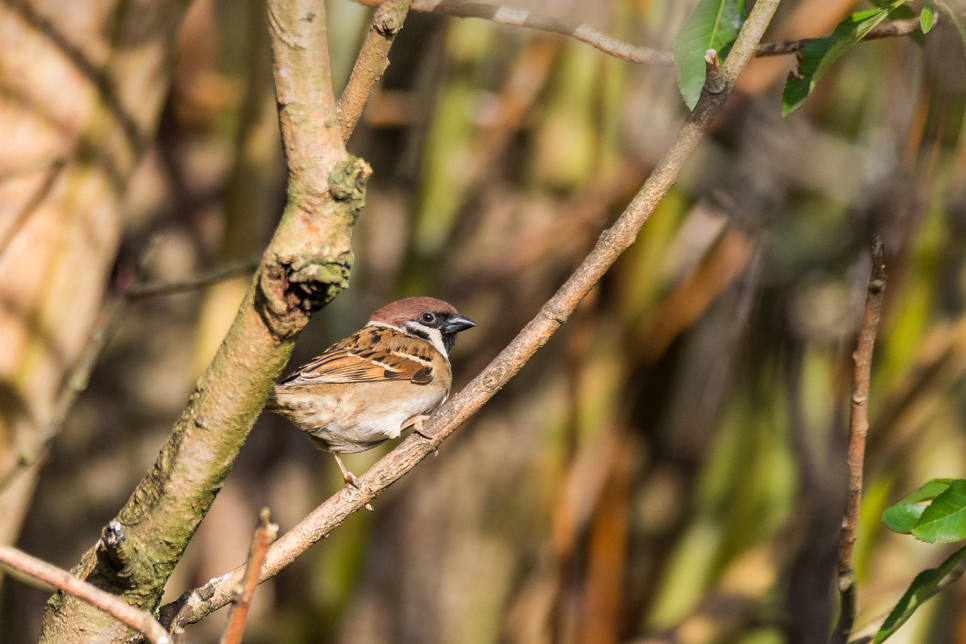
column 369, row 355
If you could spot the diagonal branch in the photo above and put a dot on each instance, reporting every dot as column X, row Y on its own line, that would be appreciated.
column 858, row 428
column 195, row 605
column 372, row 62
column 117, row 608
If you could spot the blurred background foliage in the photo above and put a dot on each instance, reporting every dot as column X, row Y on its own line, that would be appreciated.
column 670, row 468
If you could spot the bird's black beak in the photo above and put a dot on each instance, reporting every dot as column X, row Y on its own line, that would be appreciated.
column 457, row 323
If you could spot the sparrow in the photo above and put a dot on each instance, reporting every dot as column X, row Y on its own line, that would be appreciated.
column 383, row 378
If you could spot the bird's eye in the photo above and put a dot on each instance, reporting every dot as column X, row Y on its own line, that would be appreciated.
column 428, row 318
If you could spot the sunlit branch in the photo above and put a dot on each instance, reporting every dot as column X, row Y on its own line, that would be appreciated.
column 372, row 62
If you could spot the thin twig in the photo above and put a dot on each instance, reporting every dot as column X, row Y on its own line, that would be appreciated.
column 521, row 18
column 196, row 604
column 99, row 339
column 138, row 291
column 265, row 534
column 890, row 30
column 372, row 62
column 858, row 428
column 615, row 47
column 137, row 619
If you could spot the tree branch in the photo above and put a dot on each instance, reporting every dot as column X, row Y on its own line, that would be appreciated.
column 138, row 291
column 372, row 62
column 615, row 47
column 265, row 534
column 890, row 30
column 521, row 18
column 305, row 265
column 117, row 608
column 196, row 604
column 858, row 428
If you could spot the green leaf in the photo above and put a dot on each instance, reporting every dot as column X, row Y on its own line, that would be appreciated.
column 713, row 25
column 820, row 53
column 922, row 588
column 902, row 516
column 945, row 518
column 926, row 19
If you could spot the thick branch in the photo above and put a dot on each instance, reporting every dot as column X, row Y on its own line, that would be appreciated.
column 372, row 62
column 858, row 428
column 265, row 534
column 38, row 569
column 196, row 604
column 305, row 265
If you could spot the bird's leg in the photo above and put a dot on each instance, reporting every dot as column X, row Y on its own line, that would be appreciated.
column 347, row 476
column 417, row 423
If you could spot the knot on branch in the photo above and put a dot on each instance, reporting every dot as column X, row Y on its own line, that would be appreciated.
column 713, row 82
column 290, row 289
column 119, row 564
column 388, row 24
column 347, row 182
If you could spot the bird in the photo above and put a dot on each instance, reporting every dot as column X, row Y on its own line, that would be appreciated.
column 369, row 387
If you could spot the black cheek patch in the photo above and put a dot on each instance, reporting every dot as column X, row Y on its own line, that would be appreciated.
column 423, row 376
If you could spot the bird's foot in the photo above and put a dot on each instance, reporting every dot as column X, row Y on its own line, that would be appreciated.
column 347, row 476
column 417, row 423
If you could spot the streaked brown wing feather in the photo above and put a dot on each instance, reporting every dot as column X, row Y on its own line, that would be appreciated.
column 371, row 354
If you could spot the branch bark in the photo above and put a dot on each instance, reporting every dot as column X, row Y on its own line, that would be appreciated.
column 306, row 263
column 858, row 428
column 117, row 608
column 372, row 62
column 196, row 604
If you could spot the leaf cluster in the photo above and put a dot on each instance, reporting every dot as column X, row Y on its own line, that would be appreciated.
column 714, row 24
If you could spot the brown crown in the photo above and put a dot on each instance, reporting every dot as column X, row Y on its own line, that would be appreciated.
column 400, row 311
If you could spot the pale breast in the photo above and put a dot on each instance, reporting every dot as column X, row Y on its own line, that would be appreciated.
column 358, row 417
